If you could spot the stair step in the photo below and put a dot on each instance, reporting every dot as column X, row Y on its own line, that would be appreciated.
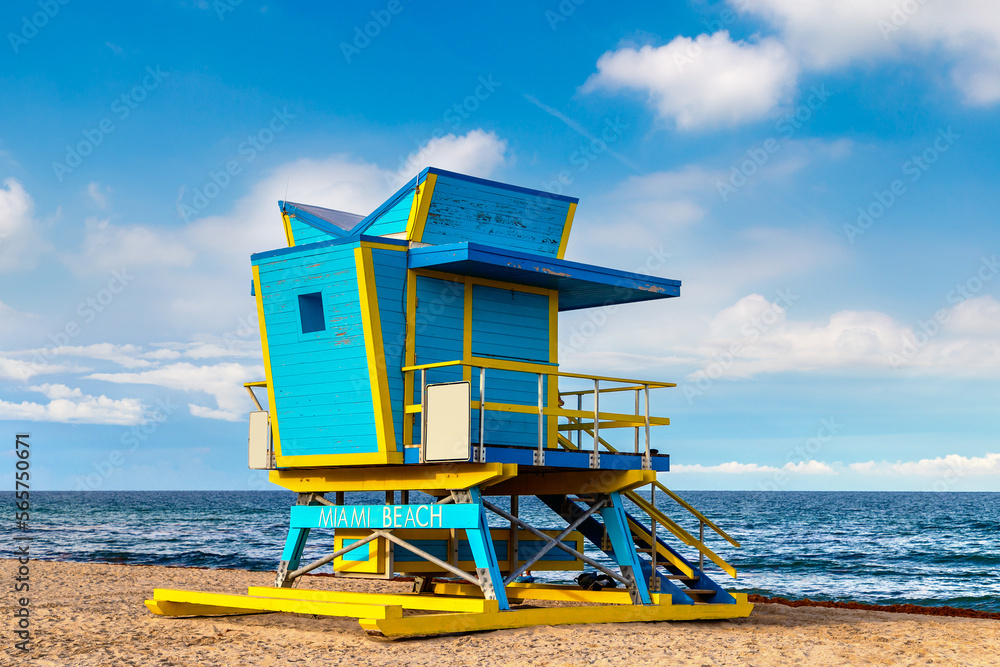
column 679, row 577
column 699, row 591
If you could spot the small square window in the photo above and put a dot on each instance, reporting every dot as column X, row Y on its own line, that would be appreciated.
column 311, row 312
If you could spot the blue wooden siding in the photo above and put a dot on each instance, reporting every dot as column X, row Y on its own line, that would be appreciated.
column 320, row 380
column 439, row 328
column 392, row 220
column 303, row 233
column 514, row 325
column 390, row 281
column 461, row 210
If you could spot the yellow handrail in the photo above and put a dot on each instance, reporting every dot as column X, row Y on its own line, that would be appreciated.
column 529, row 367
column 566, row 442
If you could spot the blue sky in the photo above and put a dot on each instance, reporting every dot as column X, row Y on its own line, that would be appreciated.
column 822, row 179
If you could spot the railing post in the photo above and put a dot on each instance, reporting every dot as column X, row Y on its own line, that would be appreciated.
column 579, row 431
column 595, row 457
column 647, row 464
column 539, row 458
column 423, row 415
column 482, row 416
column 636, row 414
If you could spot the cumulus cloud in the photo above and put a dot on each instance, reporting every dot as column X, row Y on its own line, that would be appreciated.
column 950, row 465
column 20, row 240
column 755, row 335
column 72, row 406
column 736, row 468
column 98, row 194
column 825, row 35
column 108, row 247
column 223, row 381
column 478, row 153
column 708, row 81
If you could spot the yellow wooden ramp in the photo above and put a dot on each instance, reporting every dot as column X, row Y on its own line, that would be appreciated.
column 452, row 608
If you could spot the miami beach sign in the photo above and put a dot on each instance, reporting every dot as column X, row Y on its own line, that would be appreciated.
column 386, row 516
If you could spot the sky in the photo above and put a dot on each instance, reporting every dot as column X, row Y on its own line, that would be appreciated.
column 820, row 176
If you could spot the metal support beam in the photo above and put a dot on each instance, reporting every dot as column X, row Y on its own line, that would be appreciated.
column 553, row 542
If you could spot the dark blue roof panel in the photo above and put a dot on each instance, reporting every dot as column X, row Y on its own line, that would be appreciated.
column 579, row 285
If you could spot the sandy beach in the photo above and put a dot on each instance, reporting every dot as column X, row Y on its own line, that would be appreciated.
column 93, row 615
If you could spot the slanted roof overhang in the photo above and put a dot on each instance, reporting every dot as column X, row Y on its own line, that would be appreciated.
column 579, row 285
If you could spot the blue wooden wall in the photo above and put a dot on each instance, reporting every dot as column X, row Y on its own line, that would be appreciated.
column 486, row 213
column 390, row 282
column 392, row 219
column 303, row 233
column 320, row 380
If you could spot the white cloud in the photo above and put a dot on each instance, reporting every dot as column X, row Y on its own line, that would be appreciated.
column 477, row 153
column 736, row 468
column 223, row 381
column 99, row 194
column 72, row 406
column 20, row 241
column 108, row 247
column 826, row 35
column 19, row 369
column 704, row 82
column 950, row 465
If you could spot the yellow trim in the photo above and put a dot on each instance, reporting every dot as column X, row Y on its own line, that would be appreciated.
column 273, row 604
column 566, row 230
column 570, row 482
column 410, row 352
column 554, row 592
column 467, row 321
column 375, row 564
column 377, row 372
column 268, row 378
column 405, row 478
column 312, row 460
column 383, row 246
column 552, row 399
column 418, row 210
column 287, row 224
column 429, row 624
column 405, row 600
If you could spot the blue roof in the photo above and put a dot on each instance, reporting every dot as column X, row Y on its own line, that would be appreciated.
column 579, row 285
column 331, row 221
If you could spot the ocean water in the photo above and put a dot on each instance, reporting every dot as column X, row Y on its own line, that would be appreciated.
column 878, row 548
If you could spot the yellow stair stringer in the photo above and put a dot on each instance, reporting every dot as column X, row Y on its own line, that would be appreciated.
column 654, row 513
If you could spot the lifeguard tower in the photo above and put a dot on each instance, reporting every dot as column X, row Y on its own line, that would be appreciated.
column 415, row 349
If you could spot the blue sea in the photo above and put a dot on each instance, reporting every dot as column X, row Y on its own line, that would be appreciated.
column 878, row 548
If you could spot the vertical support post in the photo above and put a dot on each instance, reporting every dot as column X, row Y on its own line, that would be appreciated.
column 483, row 553
column 423, row 415
column 295, row 543
column 481, row 458
column 404, row 497
column 340, row 497
column 513, row 551
column 595, row 457
column 539, row 458
column 624, row 549
column 390, row 497
column 647, row 463
column 654, row 578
